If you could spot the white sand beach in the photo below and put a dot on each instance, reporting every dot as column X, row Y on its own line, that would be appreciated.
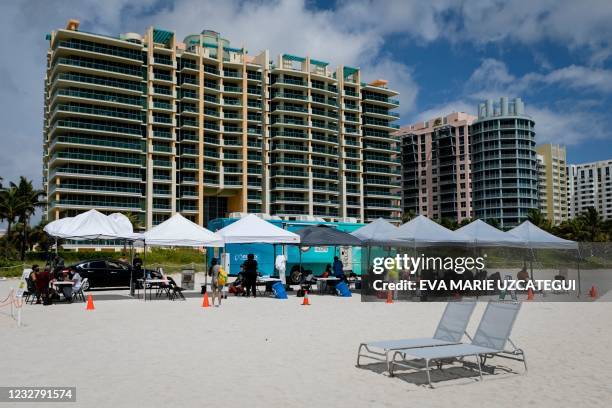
column 271, row 353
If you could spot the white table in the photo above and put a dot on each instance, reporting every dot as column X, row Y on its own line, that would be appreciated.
column 322, row 282
column 151, row 282
column 60, row 285
column 265, row 280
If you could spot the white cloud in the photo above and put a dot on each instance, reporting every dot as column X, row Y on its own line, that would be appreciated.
column 575, row 24
column 444, row 109
column 569, row 127
column 578, row 25
column 575, row 77
column 492, row 78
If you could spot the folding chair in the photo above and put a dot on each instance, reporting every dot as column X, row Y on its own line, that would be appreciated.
column 79, row 292
column 174, row 290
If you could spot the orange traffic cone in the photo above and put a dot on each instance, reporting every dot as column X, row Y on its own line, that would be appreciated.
column 306, row 302
column 205, row 302
column 593, row 292
column 90, row 305
column 389, row 297
column 529, row 294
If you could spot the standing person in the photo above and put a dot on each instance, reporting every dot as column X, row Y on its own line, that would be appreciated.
column 338, row 268
column 250, row 275
column 136, row 273
column 215, row 285
column 58, row 265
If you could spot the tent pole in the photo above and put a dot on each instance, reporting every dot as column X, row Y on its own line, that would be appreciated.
column 274, row 260
column 131, row 269
column 579, row 287
column 144, row 273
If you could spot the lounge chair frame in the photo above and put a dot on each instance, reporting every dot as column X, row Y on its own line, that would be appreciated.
column 514, row 353
column 384, row 355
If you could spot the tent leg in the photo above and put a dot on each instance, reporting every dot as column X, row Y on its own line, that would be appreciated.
column 579, row 286
column 274, row 260
column 144, row 273
column 132, row 269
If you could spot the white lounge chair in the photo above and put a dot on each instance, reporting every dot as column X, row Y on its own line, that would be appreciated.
column 451, row 329
column 489, row 341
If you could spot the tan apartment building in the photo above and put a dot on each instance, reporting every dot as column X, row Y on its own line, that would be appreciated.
column 436, row 178
column 150, row 125
column 552, row 183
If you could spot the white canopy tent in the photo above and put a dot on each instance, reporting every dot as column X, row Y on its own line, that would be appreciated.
column 179, row 231
column 421, row 231
column 536, row 238
column 252, row 230
column 56, row 228
column 482, row 234
column 375, row 233
column 92, row 225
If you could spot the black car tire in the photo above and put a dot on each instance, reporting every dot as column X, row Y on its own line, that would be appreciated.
column 295, row 277
column 85, row 286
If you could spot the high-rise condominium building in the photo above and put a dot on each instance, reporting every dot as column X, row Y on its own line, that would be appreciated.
column 552, row 186
column 590, row 185
column 504, row 163
column 153, row 126
column 436, row 167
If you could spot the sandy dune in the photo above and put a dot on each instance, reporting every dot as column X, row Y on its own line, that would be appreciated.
column 270, row 353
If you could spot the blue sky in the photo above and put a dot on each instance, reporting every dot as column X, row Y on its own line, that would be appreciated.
column 442, row 55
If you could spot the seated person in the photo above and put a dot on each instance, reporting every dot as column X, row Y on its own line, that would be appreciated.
column 523, row 275
column 43, row 278
column 69, row 291
column 328, row 271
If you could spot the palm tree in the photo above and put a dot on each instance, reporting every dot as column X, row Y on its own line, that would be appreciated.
column 449, row 223
column 537, row 218
column 31, row 199
column 465, row 222
column 407, row 216
column 11, row 206
column 135, row 220
column 593, row 224
column 494, row 222
column 37, row 237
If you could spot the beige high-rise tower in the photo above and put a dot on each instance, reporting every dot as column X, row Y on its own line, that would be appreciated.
column 553, row 182
column 153, row 126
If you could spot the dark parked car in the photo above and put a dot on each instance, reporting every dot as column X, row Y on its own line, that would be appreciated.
column 103, row 273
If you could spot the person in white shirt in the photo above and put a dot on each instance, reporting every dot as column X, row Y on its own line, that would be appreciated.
column 77, row 281
column 69, row 291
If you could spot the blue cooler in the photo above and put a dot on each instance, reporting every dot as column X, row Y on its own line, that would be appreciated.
column 343, row 290
column 279, row 290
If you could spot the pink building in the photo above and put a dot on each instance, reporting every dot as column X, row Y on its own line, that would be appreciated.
column 436, row 167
